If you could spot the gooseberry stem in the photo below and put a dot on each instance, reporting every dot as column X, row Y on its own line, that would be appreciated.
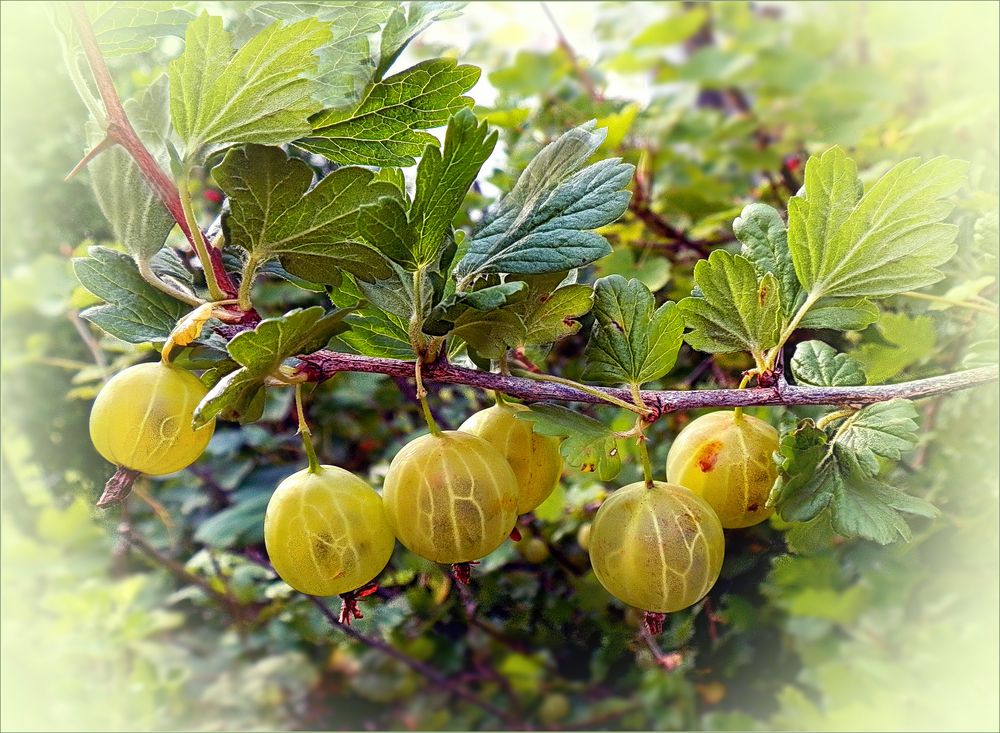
column 738, row 412
column 647, row 466
column 198, row 239
column 305, row 432
column 422, row 396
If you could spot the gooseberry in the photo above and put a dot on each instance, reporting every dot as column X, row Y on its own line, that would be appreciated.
column 657, row 548
column 141, row 419
column 726, row 459
column 326, row 531
column 554, row 708
column 535, row 458
column 583, row 536
column 534, row 550
column 450, row 497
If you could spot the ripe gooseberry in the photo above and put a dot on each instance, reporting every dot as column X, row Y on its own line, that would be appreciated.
column 657, row 548
column 535, row 458
column 450, row 497
column 141, row 419
column 326, row 531
column 726, row 459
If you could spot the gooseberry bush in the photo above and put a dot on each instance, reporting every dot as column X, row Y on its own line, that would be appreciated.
column 332, row 182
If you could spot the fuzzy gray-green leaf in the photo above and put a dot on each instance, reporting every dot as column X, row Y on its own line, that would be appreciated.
column 545, row 223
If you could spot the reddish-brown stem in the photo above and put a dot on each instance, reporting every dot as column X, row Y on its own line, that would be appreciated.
column 323, row 365
column 120, row 132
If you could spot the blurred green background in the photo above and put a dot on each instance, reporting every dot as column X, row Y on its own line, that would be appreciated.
column 718, row 104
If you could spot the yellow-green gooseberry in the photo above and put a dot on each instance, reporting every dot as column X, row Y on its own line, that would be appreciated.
column 657, row 548
column 141, row 419
column 326, row 531
column 450, row 497
column 535, row 458
column 727, row 460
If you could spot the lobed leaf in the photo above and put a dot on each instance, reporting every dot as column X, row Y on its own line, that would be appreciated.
column 315, row 233
column 839, row 471
column 765, row 243
column 260, row 352
column 263, row 93
column 588, row 444
column 819, row 364
column 387, row 126
column 123, row 28
column 735, row 311
column 886, row 241
column 414, row 236
column 903, row 341
column 134, row 311
column 630, row 343
column 544, row 224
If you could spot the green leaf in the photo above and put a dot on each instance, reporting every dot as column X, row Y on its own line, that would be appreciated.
column 678, row 27
column 489, row 333
column 405, row 23
column 887, row 241
column 549, row 315
column 588, row 444
column 840, row 314
column 904, row 341
column 347, row 61
column 443, row 179
column 386, row 127
column 800, row 492
column 261, row 94
column 839, row 470
column 735, row 311
column 883, row 430
column 765, row 243
column 543, row 225
column 414, row 237
column 866, row 507
column 819, row 364
column 630, row 343
column 135, row 311
column 373, row 330
column 314, row 232
column 124, row 28
column 260, row 352
column 139, row 219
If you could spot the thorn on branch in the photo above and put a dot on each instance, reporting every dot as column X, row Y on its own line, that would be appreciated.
column 118, row 487
column 106, row 143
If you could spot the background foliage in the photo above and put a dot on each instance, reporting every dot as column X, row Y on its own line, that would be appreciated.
column 716, row 105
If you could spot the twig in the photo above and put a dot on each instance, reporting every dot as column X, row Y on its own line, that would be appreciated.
column 120, row 132
column 578, row 70
column 140, row 543
column 417, row 666
column 88, row 339
column 324, row 364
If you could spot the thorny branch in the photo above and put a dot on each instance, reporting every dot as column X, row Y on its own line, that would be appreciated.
column 120, row 132
column 323, row 365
